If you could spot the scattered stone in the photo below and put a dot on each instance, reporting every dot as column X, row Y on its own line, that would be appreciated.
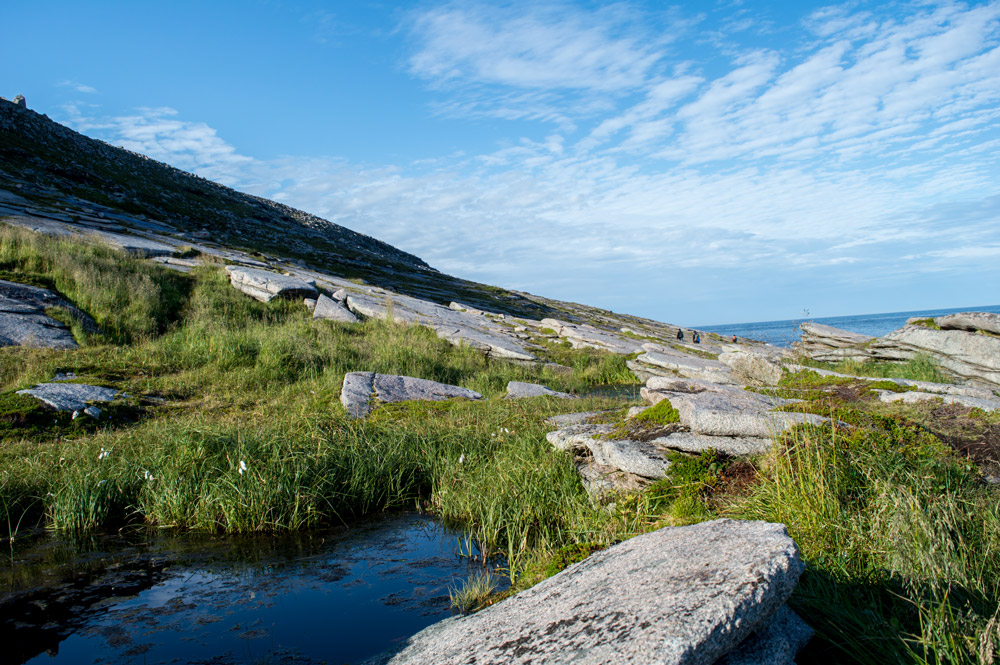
column 71, row 396
column 340, row 295
column 680, row 595
column 332, row 310
column 362, row 391
column 265, row 286
column 23, row 321
column 459, row 307
column 93, row 412
column 310, row 304
column 20, row 101
column 520, row 390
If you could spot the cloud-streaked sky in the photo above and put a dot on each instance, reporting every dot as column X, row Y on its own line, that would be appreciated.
column 704, row 163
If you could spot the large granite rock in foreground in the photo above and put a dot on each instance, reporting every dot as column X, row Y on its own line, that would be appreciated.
column 23, row 321
column 265, row 285
column 363, row 391
column 681, row 595
column 967, row 356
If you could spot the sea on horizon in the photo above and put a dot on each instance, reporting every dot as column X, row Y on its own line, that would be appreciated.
column 783, row 333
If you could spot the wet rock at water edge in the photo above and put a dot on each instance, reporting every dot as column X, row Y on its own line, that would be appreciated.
column 363, row 391
column 680, row 595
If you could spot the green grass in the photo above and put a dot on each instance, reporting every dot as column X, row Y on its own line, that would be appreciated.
column 662, row 413
column 475, row 593
column 918, row 368
column 900, row 536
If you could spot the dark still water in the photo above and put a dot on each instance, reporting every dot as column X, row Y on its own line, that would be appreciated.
column 334, row 598
column 783, row 333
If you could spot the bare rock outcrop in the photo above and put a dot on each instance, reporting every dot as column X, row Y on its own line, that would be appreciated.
column 265, row 285
column 24, row 322
column 828, row 344
column 972, row 357
column 681, row 595
column 363, row 391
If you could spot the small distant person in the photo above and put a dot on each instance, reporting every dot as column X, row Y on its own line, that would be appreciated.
column 734, row 339
column 697, row 338
column 680, row 334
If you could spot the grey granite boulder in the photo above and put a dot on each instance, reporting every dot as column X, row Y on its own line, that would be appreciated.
column 679, row 596
column 910, row 397
column 674, row 363
column 774, row 644
column 70, row 396
column 586, row 336
column 362, row 391
column 265, row 285
column 331, row 310
column 753, row 368
column 987, row 321
column 829, row 344
column 23, row 321
column 19, row 101
column 719, row 410
column 519, row 390
column 969, row 357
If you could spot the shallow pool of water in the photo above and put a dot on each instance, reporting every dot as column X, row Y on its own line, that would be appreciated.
column 334, row 597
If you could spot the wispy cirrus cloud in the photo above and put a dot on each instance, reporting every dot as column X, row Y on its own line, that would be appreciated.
column 78, row 87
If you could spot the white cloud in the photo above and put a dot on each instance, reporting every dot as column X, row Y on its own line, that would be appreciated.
column 79, row 87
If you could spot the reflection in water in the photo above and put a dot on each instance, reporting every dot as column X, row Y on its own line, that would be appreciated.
column 335, row 597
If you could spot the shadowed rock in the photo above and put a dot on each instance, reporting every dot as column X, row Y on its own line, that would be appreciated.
column 519, row 390
column 331, row 310
column 23, row 321
column 680, row 595
column 265, row 285
column 362, row 391
column 774, row 644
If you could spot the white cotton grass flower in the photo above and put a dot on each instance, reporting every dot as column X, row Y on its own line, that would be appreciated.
column 243, row 467
column 104, row 453
column 461, row 458
column 147, row 475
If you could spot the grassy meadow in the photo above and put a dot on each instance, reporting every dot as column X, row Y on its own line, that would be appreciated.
column 234, row 424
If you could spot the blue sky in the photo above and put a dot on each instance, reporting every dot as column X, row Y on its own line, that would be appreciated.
column 702, row 163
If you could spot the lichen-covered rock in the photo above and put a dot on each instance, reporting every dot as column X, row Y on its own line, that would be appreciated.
column 774, row 644
column 681, row 596
column 753, row 368
column 663, row 363
column 265, row 285
column 828, row 344
column 363, row 391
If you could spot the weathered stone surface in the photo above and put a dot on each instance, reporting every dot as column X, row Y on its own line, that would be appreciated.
column 265, row 286
column 567, row 419
column 362, row 391
column 580, row 435
column 968, row 356
column 20, row 101
column 519, row 390
column 737, row 446
column 331, row 310
column 988, row 321
column 680, row 595
column 719, row 410
column 925, row 386
column 639, row 458
column 358, row 393
column 70, row 396
column 23, row 321
column 658, row 363
column 773, row 644
column 753, row 368
column 829, row 344
column 587, row 336
column 454, row 326
column 918, row 396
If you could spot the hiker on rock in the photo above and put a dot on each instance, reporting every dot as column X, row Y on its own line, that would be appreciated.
column 680, row 334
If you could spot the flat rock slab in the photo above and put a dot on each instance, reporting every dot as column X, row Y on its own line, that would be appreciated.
column 988, row 321
column 265, row 285
column 23, row 321
column 681, row 596
column 659, row 363
column 918, row 396
column 753, row 368
column 925, row 386
column 718, row 410
column 363, row 391
column 457, row 327
column 969, row 356
column 70, row 396
column 519, row 390
column 587, row 336
column 332, row 310
column 133, row 244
